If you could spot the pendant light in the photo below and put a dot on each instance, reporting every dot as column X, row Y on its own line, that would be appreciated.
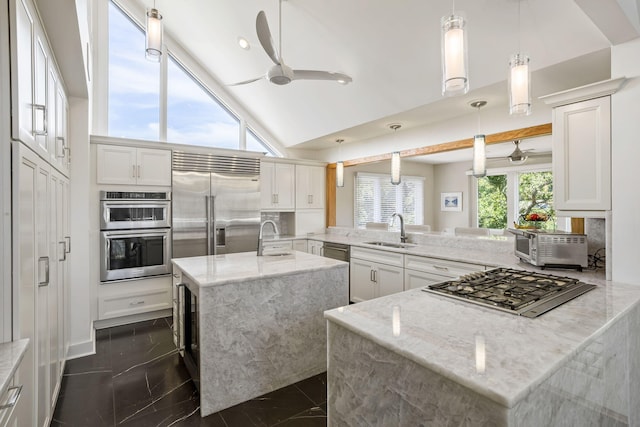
column 479, row 146
column 339, row 167
column 153, row 36
column 519, row 80
column 395, row 159
column 455, row 79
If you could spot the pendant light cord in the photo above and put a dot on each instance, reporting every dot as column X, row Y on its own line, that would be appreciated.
column 519, row 30
column 280, row 29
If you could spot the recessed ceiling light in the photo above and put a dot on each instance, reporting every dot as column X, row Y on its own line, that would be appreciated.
column 244, row 43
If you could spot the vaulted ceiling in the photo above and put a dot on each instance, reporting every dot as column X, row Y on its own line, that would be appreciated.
column 391, row 49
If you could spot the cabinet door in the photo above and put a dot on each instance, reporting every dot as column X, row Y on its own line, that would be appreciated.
column 153, row 167
column 52, row 111
column 40, row 102
column 267, row 191
column 310, row 187
column 61, row 143
column 285, row 186
column 300, row 245
column 360, row 281
column 22, row 44
column 419, row 279
column 389, row 279
column 116, row 165
column 582, row 155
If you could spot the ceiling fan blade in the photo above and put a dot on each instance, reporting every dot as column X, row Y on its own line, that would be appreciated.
column 246, row 81
column 321, row 75
column 264, row 35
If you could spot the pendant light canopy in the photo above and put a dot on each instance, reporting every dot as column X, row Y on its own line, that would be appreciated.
column 479, row 146
column 455, row 72
column 153, row 45
column 519, row 80
column 339, row 167
column 395, row 159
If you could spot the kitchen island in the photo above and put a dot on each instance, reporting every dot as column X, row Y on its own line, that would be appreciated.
column 260, row 320
column 421, row 359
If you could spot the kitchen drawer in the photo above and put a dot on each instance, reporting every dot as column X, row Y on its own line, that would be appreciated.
column 277, row 246
column 134, row 303
column 381, row 257
column 441, row 266
column 419, row 279
column 8, row 403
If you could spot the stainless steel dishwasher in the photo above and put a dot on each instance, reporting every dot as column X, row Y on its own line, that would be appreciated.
column 336, row 251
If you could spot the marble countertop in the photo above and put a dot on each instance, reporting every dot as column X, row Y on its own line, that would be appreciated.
column 499, row 355
column 217, row 270
column 11, row 354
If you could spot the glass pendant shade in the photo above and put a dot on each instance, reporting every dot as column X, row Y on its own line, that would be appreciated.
column 153, row 48
column 454, row 56
column 479, row 156
column 519, row 85
column 395, row 168
column 340, row 174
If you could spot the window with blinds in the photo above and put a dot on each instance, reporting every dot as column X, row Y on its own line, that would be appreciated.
column 376, row 199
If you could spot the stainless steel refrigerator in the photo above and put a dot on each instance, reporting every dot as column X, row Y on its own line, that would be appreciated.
column 215, row 204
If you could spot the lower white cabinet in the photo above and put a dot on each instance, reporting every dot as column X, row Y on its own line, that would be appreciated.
column 375, row 273
column 41, row 248
column 419, row 279
column 277, row 246
column 315, row 247
column 132, row 297
column 441, row 267
column 300, row 245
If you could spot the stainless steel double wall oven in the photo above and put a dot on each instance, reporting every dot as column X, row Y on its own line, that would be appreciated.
column 135, row 236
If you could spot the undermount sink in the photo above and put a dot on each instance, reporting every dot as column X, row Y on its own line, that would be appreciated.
column 390, row 245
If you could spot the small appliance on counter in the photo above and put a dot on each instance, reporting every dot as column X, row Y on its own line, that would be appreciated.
column 551, row 249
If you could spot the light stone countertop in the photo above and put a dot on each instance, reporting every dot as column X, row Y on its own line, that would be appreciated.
column 11, row 354
column 449, row 336
column 215, row 270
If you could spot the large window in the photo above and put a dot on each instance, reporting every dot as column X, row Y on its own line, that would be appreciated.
column 376, row 199
column 516, row 197
column 194, row 115
column 134, row 82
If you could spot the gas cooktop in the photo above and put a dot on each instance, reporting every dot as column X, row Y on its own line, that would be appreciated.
column 520, row 292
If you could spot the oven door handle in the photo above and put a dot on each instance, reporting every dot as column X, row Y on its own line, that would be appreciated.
column 107, row 255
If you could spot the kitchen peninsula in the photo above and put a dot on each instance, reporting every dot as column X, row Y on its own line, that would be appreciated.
column 260, row 320
column 424, row 359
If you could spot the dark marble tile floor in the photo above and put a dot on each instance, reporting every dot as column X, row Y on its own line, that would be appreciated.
column 137, row 378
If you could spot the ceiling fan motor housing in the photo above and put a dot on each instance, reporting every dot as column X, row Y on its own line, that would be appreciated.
column 280, row 74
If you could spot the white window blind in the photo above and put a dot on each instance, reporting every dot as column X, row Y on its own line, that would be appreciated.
column 376, row 199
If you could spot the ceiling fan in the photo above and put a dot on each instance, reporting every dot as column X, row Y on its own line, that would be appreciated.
column 280, row 73
column 518, row 156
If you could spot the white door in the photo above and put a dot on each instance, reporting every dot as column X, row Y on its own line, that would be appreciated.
column 267, row 191
column 116, row 165
column 285, row 186
column 389, row 279
column 361, row 280
column 40, row 78
column 22, row 43
column 153, row 167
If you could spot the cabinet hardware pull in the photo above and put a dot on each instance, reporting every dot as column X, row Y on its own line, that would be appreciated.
column 64, row 250
column 14, row 399
column 136, row 302
column 63, row 150
column 437, row 267
column 180, row 285
column 68, row 239
column 43, row 108
column 46, row 271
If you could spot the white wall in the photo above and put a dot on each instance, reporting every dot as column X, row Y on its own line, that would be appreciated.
column 448, row 178
column 625, row 135
column 81, row 305
column 345, row 195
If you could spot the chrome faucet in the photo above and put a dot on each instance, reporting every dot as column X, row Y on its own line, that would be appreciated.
column 275, row 230
column 403, row 235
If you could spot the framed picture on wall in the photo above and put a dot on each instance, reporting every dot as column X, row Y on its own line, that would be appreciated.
column 451, row 202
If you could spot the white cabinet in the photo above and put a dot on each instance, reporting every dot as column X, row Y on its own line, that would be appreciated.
column 310, row 186
column 277, row 187
column 133, row 297
column 419, row 279
column 315, row 247
column 582, row 155
column 441, row 267
column 277, row 247
column 118, row 164
column 375, row 273
column 40, row 213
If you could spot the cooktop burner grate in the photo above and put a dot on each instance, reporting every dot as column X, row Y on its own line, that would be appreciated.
column 521, row 292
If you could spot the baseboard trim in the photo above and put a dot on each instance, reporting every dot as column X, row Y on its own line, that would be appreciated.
column 82, row 349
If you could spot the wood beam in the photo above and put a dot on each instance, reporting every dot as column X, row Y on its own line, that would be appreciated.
column 577, row 225
column 331, row 195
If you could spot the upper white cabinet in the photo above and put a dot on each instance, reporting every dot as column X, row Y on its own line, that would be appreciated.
column 277, row 187
column 310, row 185
column 582, row 148
column 118, row 164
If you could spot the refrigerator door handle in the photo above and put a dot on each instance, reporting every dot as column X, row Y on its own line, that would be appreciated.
column 212, row 221
column 208, row 224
